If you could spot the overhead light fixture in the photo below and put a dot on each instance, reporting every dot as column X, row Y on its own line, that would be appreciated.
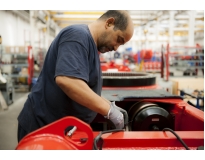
column 76, row 16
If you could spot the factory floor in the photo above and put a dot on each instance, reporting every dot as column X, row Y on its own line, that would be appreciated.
column 8, row 118
column 9, row 123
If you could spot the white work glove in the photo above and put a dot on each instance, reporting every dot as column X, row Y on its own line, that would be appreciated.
column 113, row 103
column 115, row 116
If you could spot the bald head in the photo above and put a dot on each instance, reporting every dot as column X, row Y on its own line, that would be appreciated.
column 122, row 18
column 112, row 29
column 121, row 21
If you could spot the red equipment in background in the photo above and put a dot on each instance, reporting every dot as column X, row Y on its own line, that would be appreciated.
column 107, row 66
column 30, row 65
column 148, row 64
column 146, row 54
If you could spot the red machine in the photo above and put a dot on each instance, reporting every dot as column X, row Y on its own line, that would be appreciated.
column 156, row 120
column 31, row 64
column 112, row 66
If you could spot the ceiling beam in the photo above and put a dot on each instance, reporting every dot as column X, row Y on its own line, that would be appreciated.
column 187, row 17
column 22, row 14
column 58, row 16
column 73, row 19
column 76, row 16
column 76, row 12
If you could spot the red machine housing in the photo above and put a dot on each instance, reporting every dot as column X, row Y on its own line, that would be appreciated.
column 106, row 66
column 150, row 110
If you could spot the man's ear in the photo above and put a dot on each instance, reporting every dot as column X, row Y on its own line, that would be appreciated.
column 109, row 22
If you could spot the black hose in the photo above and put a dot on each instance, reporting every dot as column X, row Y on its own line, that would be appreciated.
column 125, row 114
column 97, row 138
column 182, row 142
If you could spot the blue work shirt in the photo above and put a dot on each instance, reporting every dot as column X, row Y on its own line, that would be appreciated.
column 73, row 53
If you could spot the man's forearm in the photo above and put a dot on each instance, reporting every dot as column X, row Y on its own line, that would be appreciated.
column 106, row 100
column 80, row 92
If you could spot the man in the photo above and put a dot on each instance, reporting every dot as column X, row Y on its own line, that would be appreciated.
column 70, row 82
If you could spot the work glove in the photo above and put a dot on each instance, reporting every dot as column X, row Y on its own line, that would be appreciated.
column 115, row 116
column 124, row 112
column 113, row 103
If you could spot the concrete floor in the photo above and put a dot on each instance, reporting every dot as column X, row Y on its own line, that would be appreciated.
column 9, row 123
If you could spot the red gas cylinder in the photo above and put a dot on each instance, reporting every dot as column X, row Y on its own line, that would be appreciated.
column 146, row 54
column 104, row 66
column 124, row 68
column 112, row 64
column 30, row 64
column 53, row 137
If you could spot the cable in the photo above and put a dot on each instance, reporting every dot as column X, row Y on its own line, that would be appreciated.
column 98, row 137
column 182, row 142
column 128, row 122
column 125, row 115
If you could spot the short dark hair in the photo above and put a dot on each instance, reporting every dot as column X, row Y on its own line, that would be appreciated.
column 121, row 20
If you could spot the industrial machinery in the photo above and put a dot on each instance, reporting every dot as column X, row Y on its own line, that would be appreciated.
column 112, row 66
column 7, row 90
column 155, row 120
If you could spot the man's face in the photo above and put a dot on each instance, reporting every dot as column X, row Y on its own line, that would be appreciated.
column 111, row 39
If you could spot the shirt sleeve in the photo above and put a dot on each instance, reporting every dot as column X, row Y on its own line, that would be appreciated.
column 72, row 60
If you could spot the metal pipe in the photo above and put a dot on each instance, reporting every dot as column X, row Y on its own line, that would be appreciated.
column 70, row 133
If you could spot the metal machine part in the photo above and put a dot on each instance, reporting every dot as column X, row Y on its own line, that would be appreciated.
column 70, row 133
column 7, row 91
column 146, row 116
column 127, row 79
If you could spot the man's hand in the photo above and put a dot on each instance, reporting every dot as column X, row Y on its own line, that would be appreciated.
column 115, row 116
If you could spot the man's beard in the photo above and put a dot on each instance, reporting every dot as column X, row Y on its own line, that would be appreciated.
column 102, row 47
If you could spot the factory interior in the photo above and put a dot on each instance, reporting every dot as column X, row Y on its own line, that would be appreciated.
column 159, row 72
